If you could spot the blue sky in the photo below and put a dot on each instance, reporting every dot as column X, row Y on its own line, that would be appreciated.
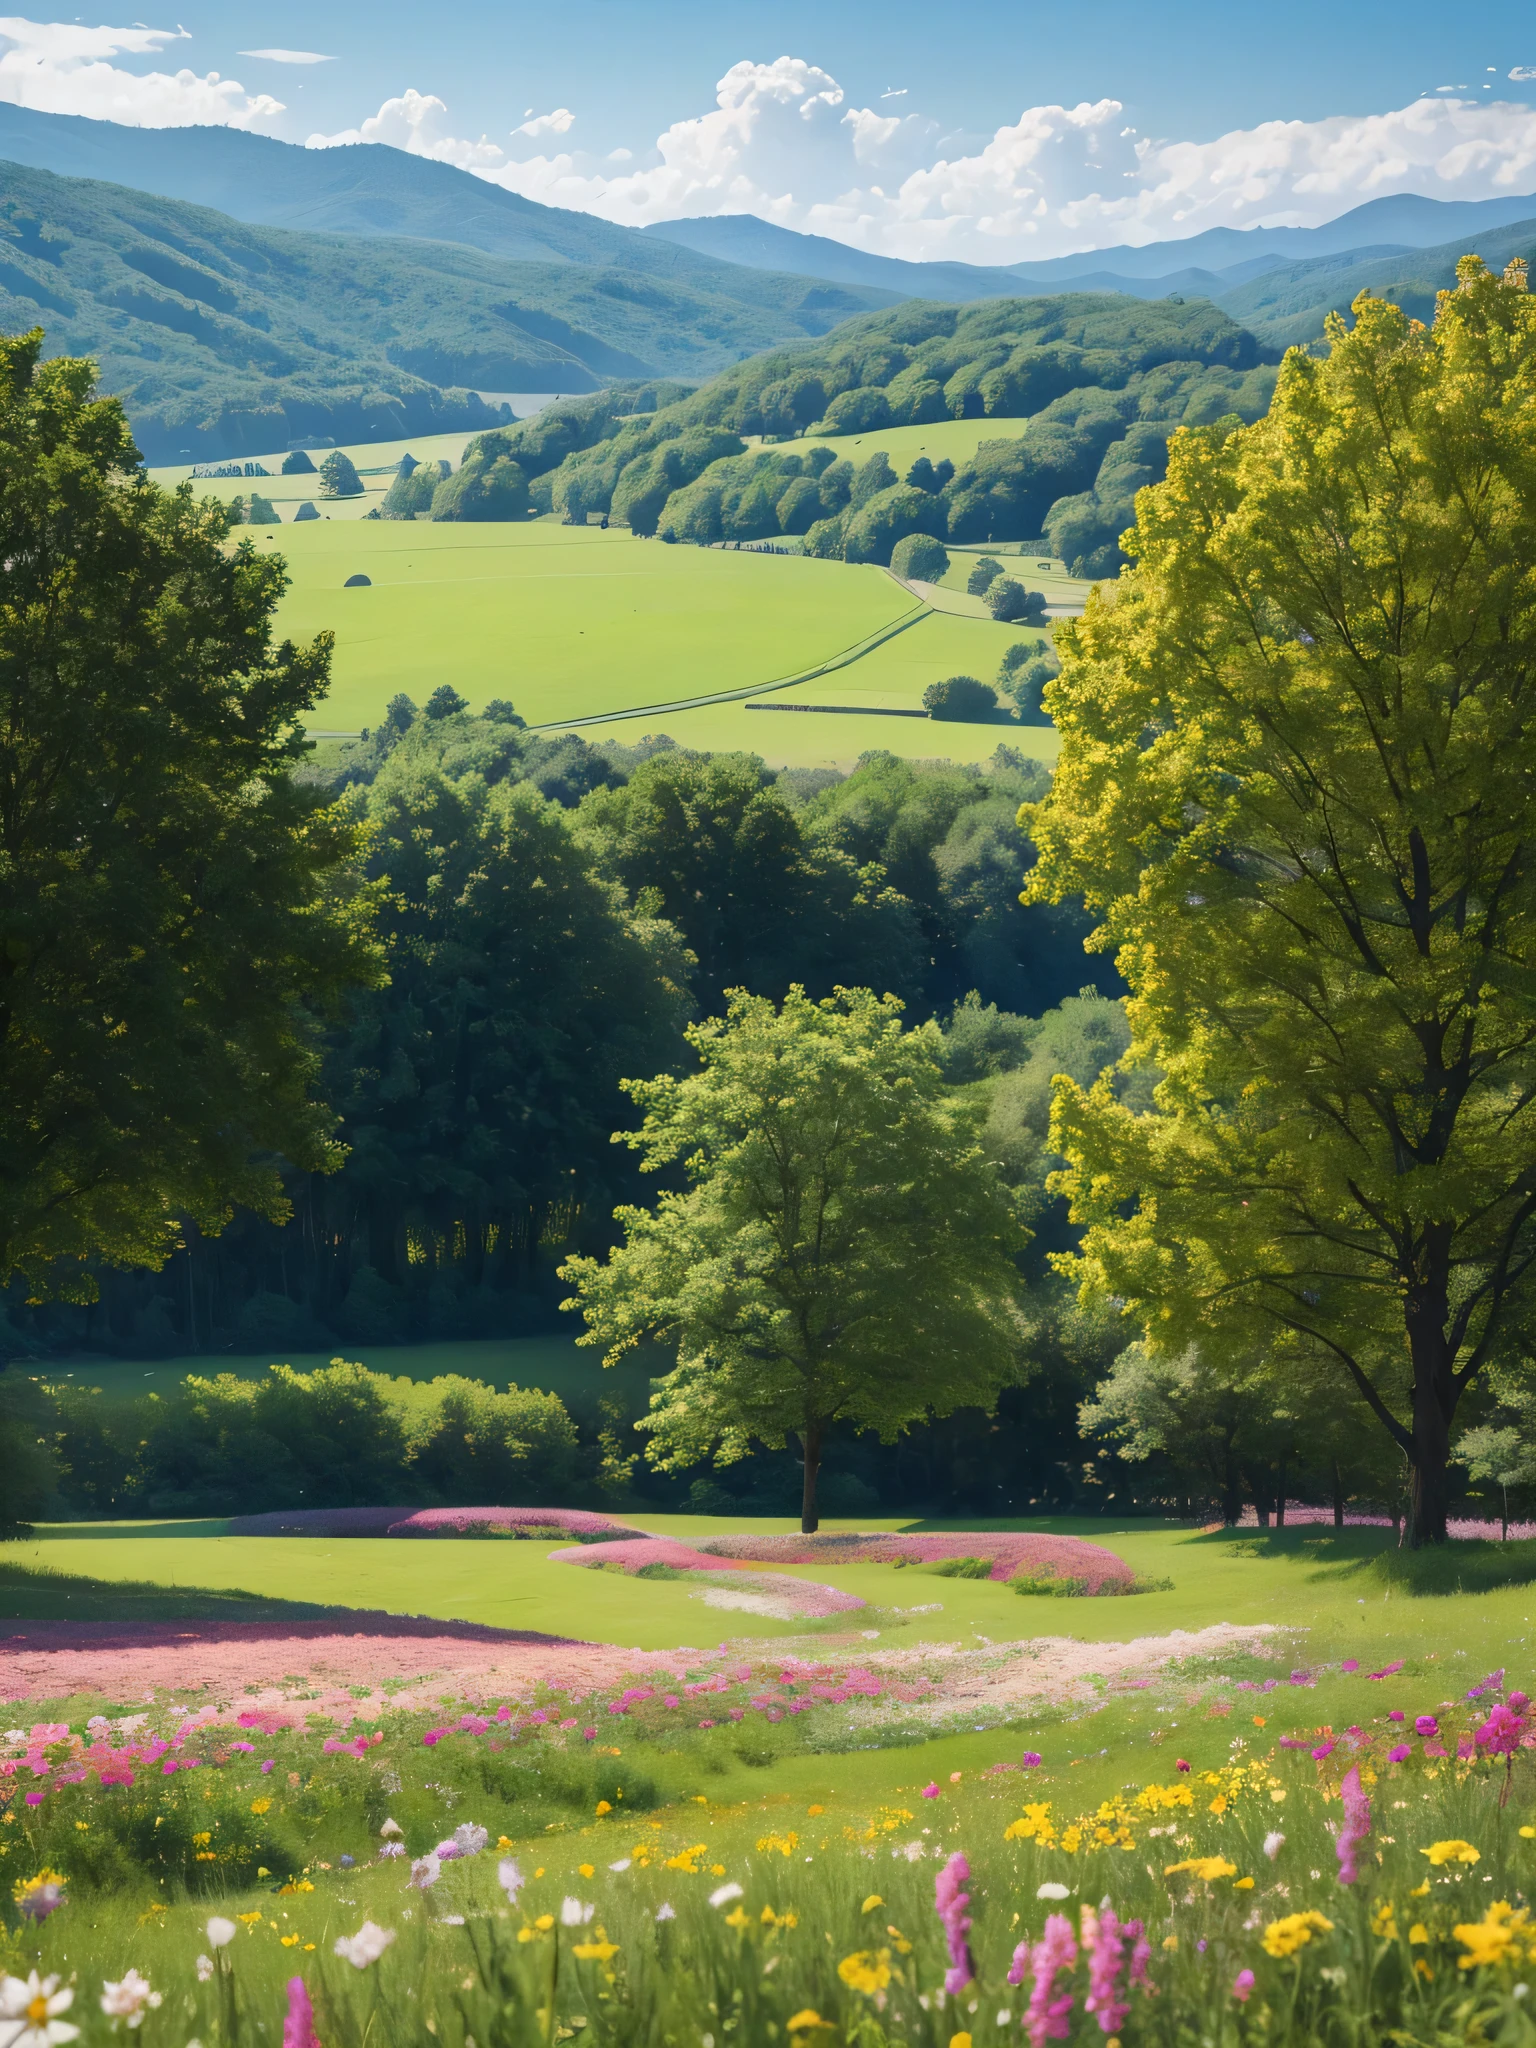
column 992, row 132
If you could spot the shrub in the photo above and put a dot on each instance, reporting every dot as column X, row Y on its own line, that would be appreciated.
column 920, row 557
column 983, row 576
column 297, row 463
column 339, row 477
column 1008, row 601
column 961, row 697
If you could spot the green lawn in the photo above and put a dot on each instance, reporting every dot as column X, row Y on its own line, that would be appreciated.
column 956, row 439
column 1328, row 1586
column 375, row 460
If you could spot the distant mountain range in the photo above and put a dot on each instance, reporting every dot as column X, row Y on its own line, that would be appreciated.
column 240, row 291
column 1207, row 265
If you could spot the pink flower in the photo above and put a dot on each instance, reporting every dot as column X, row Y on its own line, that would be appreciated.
column 706, row 1724
column 1426, row 1724
column 1181, row 1765
column 1106, row 1961
column 1387, row 1670
column 35, row 1798
column 1356, row 1825
column 1018, row 1969
column 299, row 2025
column 930, row 1791
column 266, row 1767
column 1242, row 1986
column 950, row 1900
column 1396, row 1714
column 1519, row 1701
column 589, row 1735
column 1030, row 1760
column 1050, row 2017
column 1400, row 1755
column 1500, row 1733
column 1323, row 1749
column 1350, row 1664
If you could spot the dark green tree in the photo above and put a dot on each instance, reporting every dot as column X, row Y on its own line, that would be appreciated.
column 173, row 904
column 339, row 477
column 960, row 697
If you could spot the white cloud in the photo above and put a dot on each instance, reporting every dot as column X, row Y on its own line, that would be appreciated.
column 782, row 143
column 288, row 56
column 63, row 68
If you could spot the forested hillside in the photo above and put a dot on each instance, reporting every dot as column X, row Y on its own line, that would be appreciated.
column 1102, row 380
column 224, row 338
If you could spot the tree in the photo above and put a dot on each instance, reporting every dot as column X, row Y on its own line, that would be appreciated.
column 174, row 903
column 920, row 557
column 1010, row 603
column 983, row 576
column 484, row 486
column 961, row 697
column 297, row 463
column 262, row 512
column 842, row 1253
column 1294, row 781
column 445, row 702
column 339, row 477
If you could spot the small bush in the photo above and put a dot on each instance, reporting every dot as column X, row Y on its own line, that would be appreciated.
column 921, row 558
column 961, row 697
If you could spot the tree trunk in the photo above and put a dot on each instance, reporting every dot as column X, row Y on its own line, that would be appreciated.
column 1429, row 1459
column 810, row 1444
column 1338, row 1497
column 1280, row 1486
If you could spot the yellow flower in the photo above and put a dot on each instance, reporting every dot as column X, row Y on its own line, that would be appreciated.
column 526, row 1934
column 808, row 2018
column 586, row 1869
column 1418, row 1934
column 504, row 1842
column 868, row 1970
column 1420, row 1891
column 871, row 1902
column 290, row 1941
column 1170, row 1941
column 1071, row 1841
column 1284, row 1937
column 1244, row 1884
column 786, row 1845
column 24, row 1887
column 603, row 1807
column 815, row 1810
column 247, row 1919
column 738, row 1919
column 1207, row 1867
column 1033, row 1825
column 1384, row 1920
column 772, row 1919
column 959, row 2041
column 544, row 1922
column 717, row 1870
column 1452, row 1852
column 594, row 1951
column 1490, row 1939
column 261, row 1806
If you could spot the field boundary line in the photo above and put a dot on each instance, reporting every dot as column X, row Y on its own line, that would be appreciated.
column 921, row 610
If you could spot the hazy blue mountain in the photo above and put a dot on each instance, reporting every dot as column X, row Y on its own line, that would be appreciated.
column 225, row 338
column 1215, row 261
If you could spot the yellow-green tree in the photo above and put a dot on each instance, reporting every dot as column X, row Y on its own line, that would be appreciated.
column 841, row 1253
column 1298, row 784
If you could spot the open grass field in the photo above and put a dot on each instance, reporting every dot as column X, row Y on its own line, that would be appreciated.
column 375, row 461
column 573, row 623
column 956, row 439
column 569, row 622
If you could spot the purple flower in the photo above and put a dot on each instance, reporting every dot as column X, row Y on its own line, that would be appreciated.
column 1181, row 1765
column 1323, row 1749
column 950, row 1900
column 1396, row 1714
column 1242, row 1986
column 267, row 1766
column 1050, row 2017
column 1030, row 1760
column 1018, row 1969
column 930, row 1791
column 299, row 2024
column 40, row 1901
column 589, row 1735
column 1519, row 1701
column 1350, row 1664
column 1400, row 1755
column 246, row 1748
column 1106, row 1963
column 1426, row 1725
column 35, row 1798
column 1356, row 1824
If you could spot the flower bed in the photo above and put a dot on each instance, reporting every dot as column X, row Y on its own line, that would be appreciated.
column 533, row 1523
column 1012, row 1553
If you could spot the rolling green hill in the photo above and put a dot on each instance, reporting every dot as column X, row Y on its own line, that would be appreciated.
column 1290, row 305
column 225, row 339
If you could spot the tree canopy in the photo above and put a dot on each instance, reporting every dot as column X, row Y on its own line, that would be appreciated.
column 1295, row 782
column 842, row 1253
column 173, row 904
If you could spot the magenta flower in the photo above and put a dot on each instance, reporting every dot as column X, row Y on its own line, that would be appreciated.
column 1018, row 1969
column 1396, row 1714
column 930, row 1791
column 706, row 1724
column 1181, row 1765
column 1500, row 1734
column 1242, row 1986
column 1141, row 1955
column 1387, row 1670
column 1030, row 1760
column 950, row 1900
column 1049, row 2017
column 1350, row 1664
column 35, row 1798
column 1400, row 1755
column 1323, row 1749
column 1356, row 1825
column 1106, row 1962
column 1426, row 1725
column 1519, row 1701
column 589, row 1735
column 299, row 2025
column 267, row 1766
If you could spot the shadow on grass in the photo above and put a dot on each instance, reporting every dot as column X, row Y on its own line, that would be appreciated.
column 97, row 1532
column 1465, row 1565
column 32, row 1593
